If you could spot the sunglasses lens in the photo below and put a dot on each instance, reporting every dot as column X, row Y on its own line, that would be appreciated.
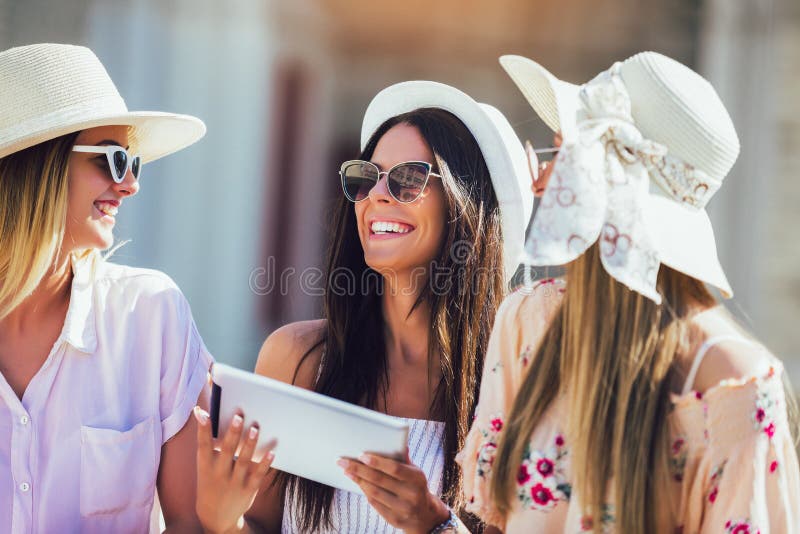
column 136, row 166
column 120, row 159
column 407, row 181
column 357, row 180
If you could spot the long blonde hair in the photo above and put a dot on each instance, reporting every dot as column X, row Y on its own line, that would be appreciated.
column 611, row 352
column 33, row 211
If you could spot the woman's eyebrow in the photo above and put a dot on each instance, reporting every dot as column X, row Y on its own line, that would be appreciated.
column 110, row 142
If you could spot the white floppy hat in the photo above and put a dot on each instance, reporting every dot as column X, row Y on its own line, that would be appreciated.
column 505, row 158
column 50, row 90
column 676, row 134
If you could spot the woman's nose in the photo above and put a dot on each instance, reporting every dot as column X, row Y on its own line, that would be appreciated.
column 129, row 186
column 380, row 191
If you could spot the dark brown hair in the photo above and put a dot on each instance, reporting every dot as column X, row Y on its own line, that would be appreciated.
column 463, row 293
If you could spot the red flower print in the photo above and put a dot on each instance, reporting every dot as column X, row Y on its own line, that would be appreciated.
column 740, row 527
column 698, row 395
column 760, row 414
column 728, row 524
column 770, row 430
column 522, row 475
column 676, row 447
column 497, row 424
column 545, row 467
column 559, row 441
column 587, row 523
column 541, row 494
column 773, row 466
column 713, row 495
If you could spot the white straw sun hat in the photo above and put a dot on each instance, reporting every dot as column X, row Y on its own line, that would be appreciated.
column 50, row 90
column 505, row 158
column 647, row 117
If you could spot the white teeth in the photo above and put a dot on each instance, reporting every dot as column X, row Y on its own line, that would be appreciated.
column 107, row 209
column 384, row 227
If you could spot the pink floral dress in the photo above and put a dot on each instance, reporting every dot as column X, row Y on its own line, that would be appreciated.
column 733, row 465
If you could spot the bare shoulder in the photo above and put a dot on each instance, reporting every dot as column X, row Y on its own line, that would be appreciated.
column 538, row 301
column 734, row 356
column 292, row 353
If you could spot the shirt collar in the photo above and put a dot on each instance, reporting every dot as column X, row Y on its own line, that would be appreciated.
column 79, row 326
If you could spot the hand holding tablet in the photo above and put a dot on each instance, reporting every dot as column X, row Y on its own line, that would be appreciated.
column 313, row 431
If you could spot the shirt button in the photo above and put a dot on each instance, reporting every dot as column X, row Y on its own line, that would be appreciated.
column 24, row 419
column 25, row 487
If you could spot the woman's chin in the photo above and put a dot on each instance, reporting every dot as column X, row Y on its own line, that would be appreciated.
column 100, row 241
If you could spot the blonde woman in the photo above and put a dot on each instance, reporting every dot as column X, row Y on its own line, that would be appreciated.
column 100, row 364
column 624, row 398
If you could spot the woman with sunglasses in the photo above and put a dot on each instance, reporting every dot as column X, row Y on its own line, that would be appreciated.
column 100, row 364
column 424, row 242
column 624, row 398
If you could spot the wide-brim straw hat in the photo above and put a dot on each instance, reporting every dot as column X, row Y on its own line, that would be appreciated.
column 675, row 107
column 501, row 149
column 49, row 90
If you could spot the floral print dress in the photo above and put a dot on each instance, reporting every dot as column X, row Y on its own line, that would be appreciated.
column 733, row 465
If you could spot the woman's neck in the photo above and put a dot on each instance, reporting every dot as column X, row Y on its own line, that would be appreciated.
column 407, row 327
column 51, row 296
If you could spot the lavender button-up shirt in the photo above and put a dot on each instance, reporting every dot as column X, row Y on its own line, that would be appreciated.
column 80, row 451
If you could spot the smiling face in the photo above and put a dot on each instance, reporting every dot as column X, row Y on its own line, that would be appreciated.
column 94, row 198
column 399, row 237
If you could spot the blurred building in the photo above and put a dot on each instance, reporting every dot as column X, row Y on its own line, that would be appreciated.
column 238, row 219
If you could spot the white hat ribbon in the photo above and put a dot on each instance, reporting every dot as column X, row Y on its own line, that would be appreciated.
column 599, row 186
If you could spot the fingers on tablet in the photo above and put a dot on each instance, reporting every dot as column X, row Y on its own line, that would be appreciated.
column 248, row 445
column 203, row 429
column 231, row 440
column 259, row 470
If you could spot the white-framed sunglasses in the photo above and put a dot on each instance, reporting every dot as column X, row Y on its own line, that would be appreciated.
column 119, row 161
column 406, row 181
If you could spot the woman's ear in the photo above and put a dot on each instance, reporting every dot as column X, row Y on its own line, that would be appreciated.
column 540, row 171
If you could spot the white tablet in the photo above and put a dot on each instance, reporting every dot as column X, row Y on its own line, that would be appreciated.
column 313, row 431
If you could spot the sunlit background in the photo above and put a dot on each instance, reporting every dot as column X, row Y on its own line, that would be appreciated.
column 283, row 84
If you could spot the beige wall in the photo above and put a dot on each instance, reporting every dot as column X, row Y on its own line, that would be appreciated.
column 782, row 255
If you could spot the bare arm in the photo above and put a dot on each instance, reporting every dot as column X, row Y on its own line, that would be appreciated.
column 176, row 481
column 280, row 356
column 249, row 508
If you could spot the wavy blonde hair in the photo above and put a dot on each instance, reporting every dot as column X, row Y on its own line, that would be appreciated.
column 33, row 214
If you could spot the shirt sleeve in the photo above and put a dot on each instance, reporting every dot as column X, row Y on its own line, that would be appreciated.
column 752, row 479
column 184, row 366
column 521, row 321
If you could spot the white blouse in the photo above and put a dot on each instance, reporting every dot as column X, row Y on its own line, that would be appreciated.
column 80, row 452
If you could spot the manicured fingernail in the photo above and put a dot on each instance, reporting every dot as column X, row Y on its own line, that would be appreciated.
column 528, row 146
column 270, row 456
column 237, row 421
column 341, row 462
column 366, row 458
column 253, row 432
column 200, row 415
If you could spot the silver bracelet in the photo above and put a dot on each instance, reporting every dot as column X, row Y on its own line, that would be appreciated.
column 449, row 525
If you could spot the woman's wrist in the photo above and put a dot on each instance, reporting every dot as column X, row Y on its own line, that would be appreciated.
column 442, row 516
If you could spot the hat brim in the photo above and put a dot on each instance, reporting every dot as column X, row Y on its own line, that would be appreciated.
column 683, row 237
column 153, row 134
column 554, row 100
column 504, row 155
